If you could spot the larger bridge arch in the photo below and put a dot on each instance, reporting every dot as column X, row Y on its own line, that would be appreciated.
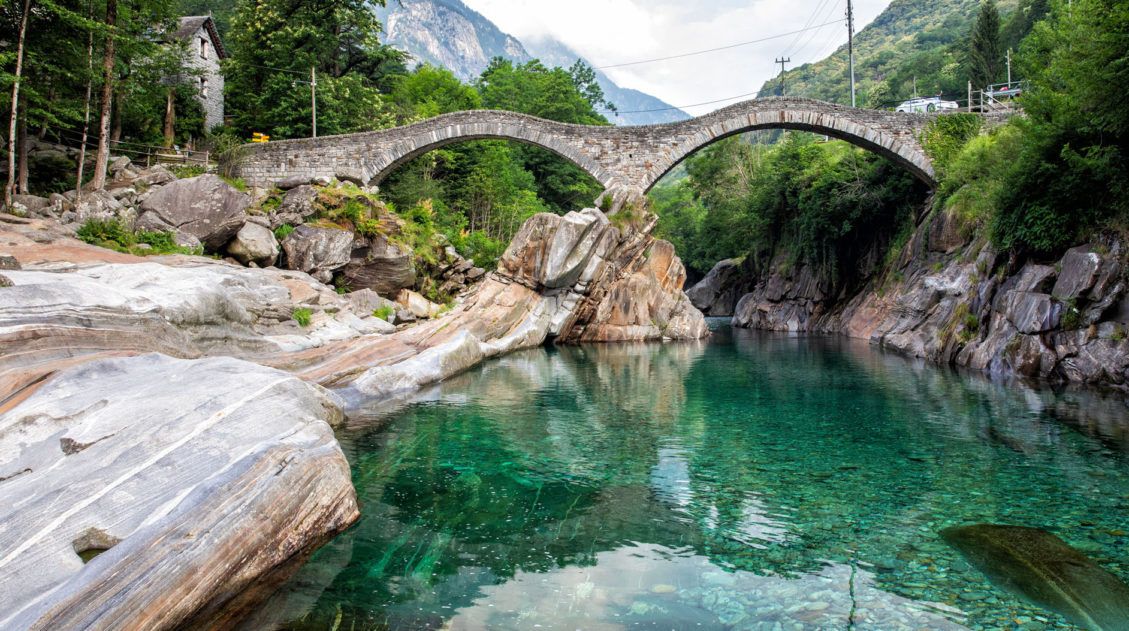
column 627, row 157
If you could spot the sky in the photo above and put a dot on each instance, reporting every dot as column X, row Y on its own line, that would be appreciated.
column 611, row 32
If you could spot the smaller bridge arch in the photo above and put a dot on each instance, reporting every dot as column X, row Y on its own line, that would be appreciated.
column 628, row 157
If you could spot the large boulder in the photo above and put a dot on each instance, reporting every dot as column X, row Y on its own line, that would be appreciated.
column 717, row 294
column 318, row 251
column 158, row 493
column 417, row 305
column 552, row 251
column 381, row 265
column 254, row 244
column 204, row 207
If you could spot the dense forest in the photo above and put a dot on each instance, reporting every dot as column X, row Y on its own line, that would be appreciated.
column 1039, row 184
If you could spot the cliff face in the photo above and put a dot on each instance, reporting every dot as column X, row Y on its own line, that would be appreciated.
column 956, row 300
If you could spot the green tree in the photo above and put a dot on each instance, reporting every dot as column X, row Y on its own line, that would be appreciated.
column 276, row 43
column 985, row 57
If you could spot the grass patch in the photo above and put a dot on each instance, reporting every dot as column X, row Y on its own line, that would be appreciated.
column 283, row 231
column 384, row 313
column 302, row 316
column 236, row 182
column 114, row 234
column 184, row 171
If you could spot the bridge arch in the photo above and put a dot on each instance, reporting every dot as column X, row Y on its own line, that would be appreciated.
column 894, row 136
column 623, row 157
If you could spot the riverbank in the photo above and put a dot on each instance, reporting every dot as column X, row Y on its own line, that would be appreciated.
column 219, row 448
column 949, row 296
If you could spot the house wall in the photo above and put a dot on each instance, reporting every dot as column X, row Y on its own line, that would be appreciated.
column 213, row 101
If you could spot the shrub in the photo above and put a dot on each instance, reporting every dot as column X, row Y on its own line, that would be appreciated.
column 946, row 135
column 185, row 171
column 302, row 316
column 115, row 235
column 384, row 313
column 236, row 182
column 283, row 231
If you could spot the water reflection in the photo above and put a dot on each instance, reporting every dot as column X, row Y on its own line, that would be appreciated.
column 751, row 481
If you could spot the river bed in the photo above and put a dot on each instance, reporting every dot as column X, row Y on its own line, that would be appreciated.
column 750, row 481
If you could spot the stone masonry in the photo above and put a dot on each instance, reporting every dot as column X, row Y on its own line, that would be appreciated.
column 627, row 157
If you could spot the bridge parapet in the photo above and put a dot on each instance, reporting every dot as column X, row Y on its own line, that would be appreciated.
column 632, row 157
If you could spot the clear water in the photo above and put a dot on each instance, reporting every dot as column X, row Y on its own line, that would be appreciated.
column 752, row 482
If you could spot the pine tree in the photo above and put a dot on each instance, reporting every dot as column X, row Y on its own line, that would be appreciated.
column 985, row 58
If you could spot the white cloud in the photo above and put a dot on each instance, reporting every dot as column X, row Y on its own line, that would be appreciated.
column 609, row 32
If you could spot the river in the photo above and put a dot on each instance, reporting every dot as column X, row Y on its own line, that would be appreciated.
column 751, row 481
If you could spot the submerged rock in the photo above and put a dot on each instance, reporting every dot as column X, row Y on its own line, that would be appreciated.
column 1046, row 570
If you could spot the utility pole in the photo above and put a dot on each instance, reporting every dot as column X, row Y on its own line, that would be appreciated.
column 851, row 46
column 1009, row 67
column 314, row 100
column 782, row 61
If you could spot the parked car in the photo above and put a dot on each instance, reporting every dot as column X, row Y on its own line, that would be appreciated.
column 927, row 104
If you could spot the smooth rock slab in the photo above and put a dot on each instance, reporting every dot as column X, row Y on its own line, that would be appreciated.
column 199, row 490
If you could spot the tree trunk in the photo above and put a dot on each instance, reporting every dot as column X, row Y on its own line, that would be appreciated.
column 116, row 128
column 21, row 143
column 170, row 118
column 9, row 190
column 85, row 114
column 103, row 158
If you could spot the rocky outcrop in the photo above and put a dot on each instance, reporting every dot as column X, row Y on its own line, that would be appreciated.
column 204, row 208
column 128, row 502
column 118, row 492
column 381, row 265
column 296, row 206
column 717, row 294
column 968, row 305
column 254, row 243
column 318, row 251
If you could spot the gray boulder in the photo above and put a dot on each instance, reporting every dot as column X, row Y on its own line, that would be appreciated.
column 1032, row 312
column 717, row 294
column 100, row 205
column 254, row 243
column 118, row 164
column 380, row 265
column 8, row 261
column 318, row 251
column 297, row 206
column 204, row 207
column 155, row 176
column 1080, row 268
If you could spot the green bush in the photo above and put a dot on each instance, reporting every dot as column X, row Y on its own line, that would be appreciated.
column 185, row 171
column 384, row 313
column 976, row 176
column 302, row 316
column 945, row 136
column 283, row 231
column 115, row 235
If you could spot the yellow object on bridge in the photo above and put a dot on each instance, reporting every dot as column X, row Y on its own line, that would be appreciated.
column 259, row 137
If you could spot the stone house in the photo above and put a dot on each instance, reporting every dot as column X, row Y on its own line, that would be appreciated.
column 205, row 51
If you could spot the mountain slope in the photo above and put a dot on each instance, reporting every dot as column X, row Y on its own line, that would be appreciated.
column 447, row 33
column 910, row 39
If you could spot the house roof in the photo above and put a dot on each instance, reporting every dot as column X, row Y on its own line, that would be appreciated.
column 188, row 25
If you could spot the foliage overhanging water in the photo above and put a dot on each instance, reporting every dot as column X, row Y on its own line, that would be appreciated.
column 753, row 481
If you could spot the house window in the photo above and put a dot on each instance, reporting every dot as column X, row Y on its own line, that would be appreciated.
column 203, row 48
column 204, row 87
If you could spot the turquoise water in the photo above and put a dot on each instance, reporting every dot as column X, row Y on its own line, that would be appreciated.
column 756, row 481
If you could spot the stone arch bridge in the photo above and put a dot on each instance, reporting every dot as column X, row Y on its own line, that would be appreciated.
column 620, row 157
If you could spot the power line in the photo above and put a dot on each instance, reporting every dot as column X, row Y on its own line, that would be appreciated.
column 678, row 107
column 811, row 18
column 714, row 50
